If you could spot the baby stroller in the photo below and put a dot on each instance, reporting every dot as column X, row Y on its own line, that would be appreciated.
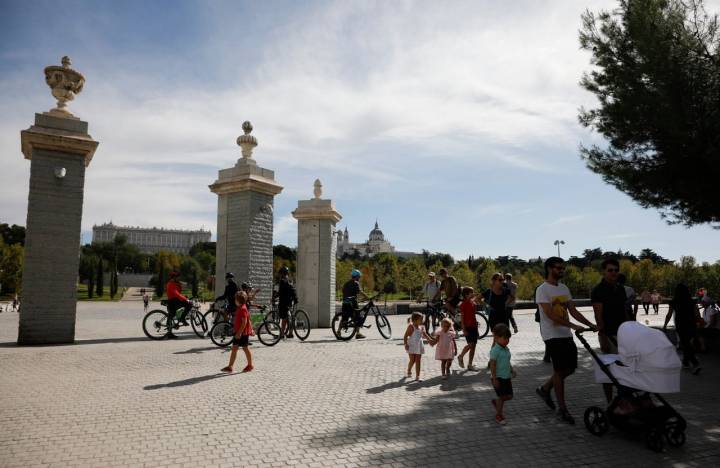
column 645, row 366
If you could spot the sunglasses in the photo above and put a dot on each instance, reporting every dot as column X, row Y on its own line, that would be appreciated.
column 559, row 268
column 613, row 270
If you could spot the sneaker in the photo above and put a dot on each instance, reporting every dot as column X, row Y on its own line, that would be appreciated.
column 227, row 370
column 359, row 336
column 248, row 368
column 545, row 396
column 515, row 330
column 472, row 368
column 500, row 419
column 564, row 415
column 461, row 363
column 696, row 370
column 445, row 377
column 289, row 335
column 173, row 336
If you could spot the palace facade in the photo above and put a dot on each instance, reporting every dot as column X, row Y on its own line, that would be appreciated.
column 152, row 240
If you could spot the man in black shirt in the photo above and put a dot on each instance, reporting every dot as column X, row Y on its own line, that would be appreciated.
column 351, row 291
column 286, row 298
column 608, row 300
column 231, row 288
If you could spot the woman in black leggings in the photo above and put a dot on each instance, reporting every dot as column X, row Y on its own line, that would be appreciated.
column 683, row 306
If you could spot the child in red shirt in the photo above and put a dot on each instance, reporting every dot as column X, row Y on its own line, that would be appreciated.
column 470, row 327
column 243, row 330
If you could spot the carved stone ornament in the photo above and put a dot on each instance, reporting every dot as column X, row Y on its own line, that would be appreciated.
column 317, row 190
column 247, row 142
column 65, row 83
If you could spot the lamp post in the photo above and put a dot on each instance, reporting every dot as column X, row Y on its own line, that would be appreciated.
column 558, row 243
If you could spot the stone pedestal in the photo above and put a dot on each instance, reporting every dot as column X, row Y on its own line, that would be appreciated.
column 315, row 281
column 59, row 149
column 245, row 221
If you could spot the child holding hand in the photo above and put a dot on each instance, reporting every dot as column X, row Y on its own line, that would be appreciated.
column 413, row 341
column 446, row 350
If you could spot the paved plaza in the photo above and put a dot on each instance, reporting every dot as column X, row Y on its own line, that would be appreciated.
column 118, row 399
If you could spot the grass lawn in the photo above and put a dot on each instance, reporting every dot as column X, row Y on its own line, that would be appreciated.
column 82, row 294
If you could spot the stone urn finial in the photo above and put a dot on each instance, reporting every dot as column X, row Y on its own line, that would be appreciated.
column 317, row 190
column 65, row 83
column 247, row 142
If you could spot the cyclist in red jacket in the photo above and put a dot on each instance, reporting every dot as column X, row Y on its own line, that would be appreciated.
column 176, row 300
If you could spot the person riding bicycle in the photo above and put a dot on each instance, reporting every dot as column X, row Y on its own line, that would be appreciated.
column 231, row 288
column 286, row 298
column 449, row 286
column 176, row 300
column 351, row 291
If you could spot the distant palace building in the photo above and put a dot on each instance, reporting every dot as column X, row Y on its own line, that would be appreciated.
column 375, row 244
column 152, row 240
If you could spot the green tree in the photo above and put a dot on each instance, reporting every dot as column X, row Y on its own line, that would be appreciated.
column 12, row 235
column 99, row 278
column 411, row 276
column 385, row 269
column 463, row 274
column 11, row 266
column 656, row 68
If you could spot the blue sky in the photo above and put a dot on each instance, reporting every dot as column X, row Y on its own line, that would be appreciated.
column 454, row 124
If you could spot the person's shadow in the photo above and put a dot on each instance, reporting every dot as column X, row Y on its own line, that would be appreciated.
column 190, row 381
column 387, row 386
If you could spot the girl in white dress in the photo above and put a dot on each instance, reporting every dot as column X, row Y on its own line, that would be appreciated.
column 413, row 341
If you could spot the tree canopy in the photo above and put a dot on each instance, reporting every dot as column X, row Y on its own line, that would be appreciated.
column 656, row 75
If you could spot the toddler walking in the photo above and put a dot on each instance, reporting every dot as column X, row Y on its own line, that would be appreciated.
column 446, row 350
column 413, row 341
column 501, row 370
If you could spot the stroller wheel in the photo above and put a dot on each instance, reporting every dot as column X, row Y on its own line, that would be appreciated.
column 654, row 440
column 674, row 436
column 596, row 421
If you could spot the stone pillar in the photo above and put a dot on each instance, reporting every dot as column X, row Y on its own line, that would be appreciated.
column 59, row 149
column 316, row 257
column 245, row 221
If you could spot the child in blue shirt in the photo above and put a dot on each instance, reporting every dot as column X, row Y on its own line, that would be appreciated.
column 501, row 370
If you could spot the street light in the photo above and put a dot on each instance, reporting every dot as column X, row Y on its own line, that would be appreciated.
column 558, row 243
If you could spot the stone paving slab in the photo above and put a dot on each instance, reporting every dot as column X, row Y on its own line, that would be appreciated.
column 118, row 399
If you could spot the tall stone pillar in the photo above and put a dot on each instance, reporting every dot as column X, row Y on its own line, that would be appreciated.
column 59, row 149
column 245, row 221
column 316, row 257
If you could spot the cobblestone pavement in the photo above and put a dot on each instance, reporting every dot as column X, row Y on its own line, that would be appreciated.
column 118, row 399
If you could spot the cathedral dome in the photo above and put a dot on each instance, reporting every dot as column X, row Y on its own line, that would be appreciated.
column 376, row 234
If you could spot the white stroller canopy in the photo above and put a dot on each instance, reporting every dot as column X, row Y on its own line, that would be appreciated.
column 650, row 360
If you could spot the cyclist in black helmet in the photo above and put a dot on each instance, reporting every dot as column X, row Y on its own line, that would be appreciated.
column 231, row 288
column 286, row 298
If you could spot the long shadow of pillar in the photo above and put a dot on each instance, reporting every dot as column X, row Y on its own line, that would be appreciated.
column 59, row 149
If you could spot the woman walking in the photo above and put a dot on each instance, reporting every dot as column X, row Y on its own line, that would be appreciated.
column 685, row 311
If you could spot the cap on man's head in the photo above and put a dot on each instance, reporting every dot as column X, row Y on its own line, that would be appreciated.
column 431, row 273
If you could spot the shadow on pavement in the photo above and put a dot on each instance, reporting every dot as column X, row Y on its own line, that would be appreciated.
column 129, row 339
column 190, row 381
column 199, row 350
column 464, row 418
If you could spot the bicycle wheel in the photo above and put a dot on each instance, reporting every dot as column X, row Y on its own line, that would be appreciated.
column 483, row 327
column 155, row 324
column 199, row 324
column 269, row 333
column 221, row 334
column 301, row 324
column 383, row 325
column 344, row 329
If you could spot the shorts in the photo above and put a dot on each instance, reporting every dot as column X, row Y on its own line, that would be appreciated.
column 504, row 387
column 454, row 301
column 471, row 335
column 242, row 342
column 563, row 353
column 283, row 312
column 494, row 319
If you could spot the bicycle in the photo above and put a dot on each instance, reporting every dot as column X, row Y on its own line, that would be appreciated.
column 433, row 316
column 298, row 322
column 222, row 331
column 439, row 311
column 158, row 324
column 345, row 328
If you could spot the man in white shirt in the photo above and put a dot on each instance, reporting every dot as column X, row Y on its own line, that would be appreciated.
column 430, row 288
column 555, row 302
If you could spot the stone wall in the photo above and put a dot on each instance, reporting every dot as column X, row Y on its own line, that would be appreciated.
column 52, row 248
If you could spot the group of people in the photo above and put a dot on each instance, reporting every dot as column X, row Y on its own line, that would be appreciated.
column 15, row 304
column 613, row 304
